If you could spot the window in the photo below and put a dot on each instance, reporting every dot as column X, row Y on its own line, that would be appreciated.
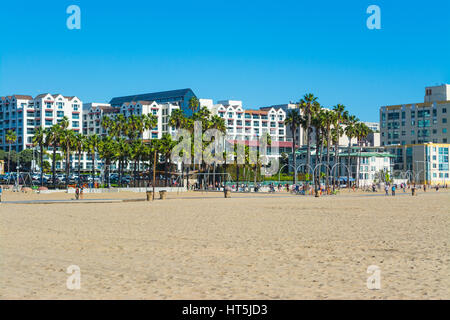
column 75, row 124
column 444, row 130
column 444, row 120
column 75, row 116
column 444, row 110
column 48, row 113
column 60, row 114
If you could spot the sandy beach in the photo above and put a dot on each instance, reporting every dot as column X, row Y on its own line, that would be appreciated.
column 202, row 246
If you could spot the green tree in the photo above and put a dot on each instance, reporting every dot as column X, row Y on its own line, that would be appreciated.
column 92, row 143
column 308, row 105
column 39, row 140
column 10, row 138
column 293, row 120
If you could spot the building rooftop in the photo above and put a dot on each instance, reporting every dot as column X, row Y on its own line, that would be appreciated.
column 155, row 96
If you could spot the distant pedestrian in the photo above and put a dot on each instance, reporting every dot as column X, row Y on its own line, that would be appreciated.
column 393, row 190
column 386, row 189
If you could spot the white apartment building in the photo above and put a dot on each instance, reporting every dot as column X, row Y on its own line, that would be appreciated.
column 247, row 124
column 23, row 114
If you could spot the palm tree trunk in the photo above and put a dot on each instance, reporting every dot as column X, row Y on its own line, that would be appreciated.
column 348, row 161
column 120, row 172
column 93, row 169
column 308, row 141
column 54, row 166
column 328, row 155
column 41, row 156
column 154, row 174
column 315, row 174
column 166, row 172
column 237, row 176
column 108, row 180
column 79, row 166
column 294, row 156
column 67, row 167
column 336, row 161
column 9, row 157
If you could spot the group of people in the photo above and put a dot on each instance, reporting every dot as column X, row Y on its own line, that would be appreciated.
column 79, row 192
column 405, row 186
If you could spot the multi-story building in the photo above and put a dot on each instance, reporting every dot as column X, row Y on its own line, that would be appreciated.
column 93, row 114
column 161, row 110
column 248, row 125
column 418, row 123
column 423, row 163
column 23, row 114
column 179, row 97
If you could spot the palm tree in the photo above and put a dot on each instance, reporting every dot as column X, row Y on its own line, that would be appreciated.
column 154, row 148
column 329, row 120
column 39, row 140
column 318, row 122
column 350, row 132
column 193, row 104
column 178, row 121
column 362, row 130
column 10, row 138
column 166, row 145
column 340, row 113
column 79, row 147
column 107, row 149
column 53, row 139
column 92, row 143
column 67, row 140
column 123, row 151
column 308, row 104
column 293, row 119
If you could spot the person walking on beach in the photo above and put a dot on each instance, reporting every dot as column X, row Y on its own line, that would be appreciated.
column 81, row 192
column 1, row 191
column 393, row 190
column 386, row 189
column 77, row 192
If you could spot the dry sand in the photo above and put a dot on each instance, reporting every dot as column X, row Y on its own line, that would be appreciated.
column 202, row 246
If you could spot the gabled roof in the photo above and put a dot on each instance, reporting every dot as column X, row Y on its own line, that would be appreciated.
column 260, row 112
column 23, row 97
column 42, row 95
column 155, row 96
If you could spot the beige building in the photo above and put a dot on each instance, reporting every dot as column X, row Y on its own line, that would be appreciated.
column 418, row 123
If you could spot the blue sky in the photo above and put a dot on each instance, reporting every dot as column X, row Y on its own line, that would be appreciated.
column 261, row 52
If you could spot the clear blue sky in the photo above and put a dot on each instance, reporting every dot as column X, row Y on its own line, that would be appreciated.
column 261, row 52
